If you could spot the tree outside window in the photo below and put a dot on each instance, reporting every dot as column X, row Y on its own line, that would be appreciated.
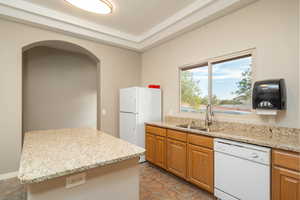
column 231, row 87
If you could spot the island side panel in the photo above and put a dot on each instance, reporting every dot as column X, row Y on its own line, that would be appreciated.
column 115, row 181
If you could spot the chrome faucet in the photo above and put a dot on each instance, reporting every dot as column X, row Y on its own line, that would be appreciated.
column 192, row 124
column 208, row 116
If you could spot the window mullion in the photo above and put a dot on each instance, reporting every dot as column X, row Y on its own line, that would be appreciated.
column 210, row 70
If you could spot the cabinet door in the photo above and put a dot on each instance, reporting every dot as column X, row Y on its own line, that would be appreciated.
column 160, row 152
column 200, row 167
column 176, row 157
column 285, row 184
column 150, row 147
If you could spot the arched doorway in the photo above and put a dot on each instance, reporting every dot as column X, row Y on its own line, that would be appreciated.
column 61, row 86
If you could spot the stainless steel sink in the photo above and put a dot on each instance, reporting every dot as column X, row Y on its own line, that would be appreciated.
column 183, row 126
column 187, row 126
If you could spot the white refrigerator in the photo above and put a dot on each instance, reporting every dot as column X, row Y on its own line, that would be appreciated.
column 137, row 106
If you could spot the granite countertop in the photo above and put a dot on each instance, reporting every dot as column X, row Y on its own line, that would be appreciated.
column 279, row 141
column 54, row 153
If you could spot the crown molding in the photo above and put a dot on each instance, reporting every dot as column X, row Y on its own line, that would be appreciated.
column 194, row 15
column 27, row 13
column 197, row 5
column 207, row 14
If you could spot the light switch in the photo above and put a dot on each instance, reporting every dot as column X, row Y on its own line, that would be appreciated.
column 103, row 112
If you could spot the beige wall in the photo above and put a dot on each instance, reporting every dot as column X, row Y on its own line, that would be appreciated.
column 270, row 26
column 59, row 90
column 119, row 68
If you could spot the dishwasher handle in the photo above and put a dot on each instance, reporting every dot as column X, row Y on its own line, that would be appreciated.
column 231, row 145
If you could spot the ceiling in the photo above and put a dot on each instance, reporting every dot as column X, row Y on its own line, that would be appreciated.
column 130, row 16
column 134, row 24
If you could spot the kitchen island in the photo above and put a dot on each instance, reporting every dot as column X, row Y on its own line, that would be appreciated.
column 79, row 164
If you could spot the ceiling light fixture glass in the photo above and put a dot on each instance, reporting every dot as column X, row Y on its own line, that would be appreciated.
column 95, row 6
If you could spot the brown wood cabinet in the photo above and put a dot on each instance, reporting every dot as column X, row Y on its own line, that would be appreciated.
column 201, row 140
column 200, row 167
column 156, row 146
column 150, row 147
column 176, row 157
column 156, row 130
column 160, row 153
column 285, row 175
column 191, row 157
column 188, row 156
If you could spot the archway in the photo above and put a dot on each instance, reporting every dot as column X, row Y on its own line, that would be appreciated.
column 58, row 50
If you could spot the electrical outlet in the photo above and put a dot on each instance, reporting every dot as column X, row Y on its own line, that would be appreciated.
column 75, row 180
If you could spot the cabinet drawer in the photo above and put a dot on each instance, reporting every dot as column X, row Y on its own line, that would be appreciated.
column 177, row 135
column 201, row 140
column 156, row 131
column 286, row 159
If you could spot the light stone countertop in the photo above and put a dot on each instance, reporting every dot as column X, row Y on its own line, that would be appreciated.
column 54, row 153
column 284, row 142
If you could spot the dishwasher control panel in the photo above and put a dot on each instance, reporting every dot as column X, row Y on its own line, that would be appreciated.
column 242, row 150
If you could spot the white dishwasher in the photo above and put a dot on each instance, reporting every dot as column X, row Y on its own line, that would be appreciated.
column 242, row 171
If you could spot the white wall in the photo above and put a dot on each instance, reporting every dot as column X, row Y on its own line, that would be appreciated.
column 270, row 26
column 59, row 90
column 119, row 68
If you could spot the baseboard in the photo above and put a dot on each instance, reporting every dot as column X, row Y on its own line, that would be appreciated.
column 8, row 175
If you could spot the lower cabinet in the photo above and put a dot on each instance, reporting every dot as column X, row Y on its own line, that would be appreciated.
column 285, row 175
column 188, row 156
column 286, row 184
column 150, row 147
column 200, row 167
column 191, row 156
column 176, row 157
column 156, row 150
column 160, row 153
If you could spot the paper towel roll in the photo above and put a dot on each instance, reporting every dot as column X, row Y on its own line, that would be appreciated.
column 266, row 112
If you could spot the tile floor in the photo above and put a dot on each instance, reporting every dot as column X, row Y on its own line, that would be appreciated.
column 156, row 184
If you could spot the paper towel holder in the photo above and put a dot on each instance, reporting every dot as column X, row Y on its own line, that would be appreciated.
column 269, row 96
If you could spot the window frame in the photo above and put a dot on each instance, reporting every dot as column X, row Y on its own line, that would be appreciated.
column 210, row 62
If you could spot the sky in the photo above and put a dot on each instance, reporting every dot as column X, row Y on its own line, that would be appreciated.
column 225, row 77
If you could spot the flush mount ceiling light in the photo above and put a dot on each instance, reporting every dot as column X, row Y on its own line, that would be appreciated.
column 95, row 6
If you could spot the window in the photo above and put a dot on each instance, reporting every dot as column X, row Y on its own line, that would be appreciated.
column 194, row 89
column 224, row 83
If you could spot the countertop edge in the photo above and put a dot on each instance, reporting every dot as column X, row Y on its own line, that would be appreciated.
column 77, row 170
column 227, row 136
